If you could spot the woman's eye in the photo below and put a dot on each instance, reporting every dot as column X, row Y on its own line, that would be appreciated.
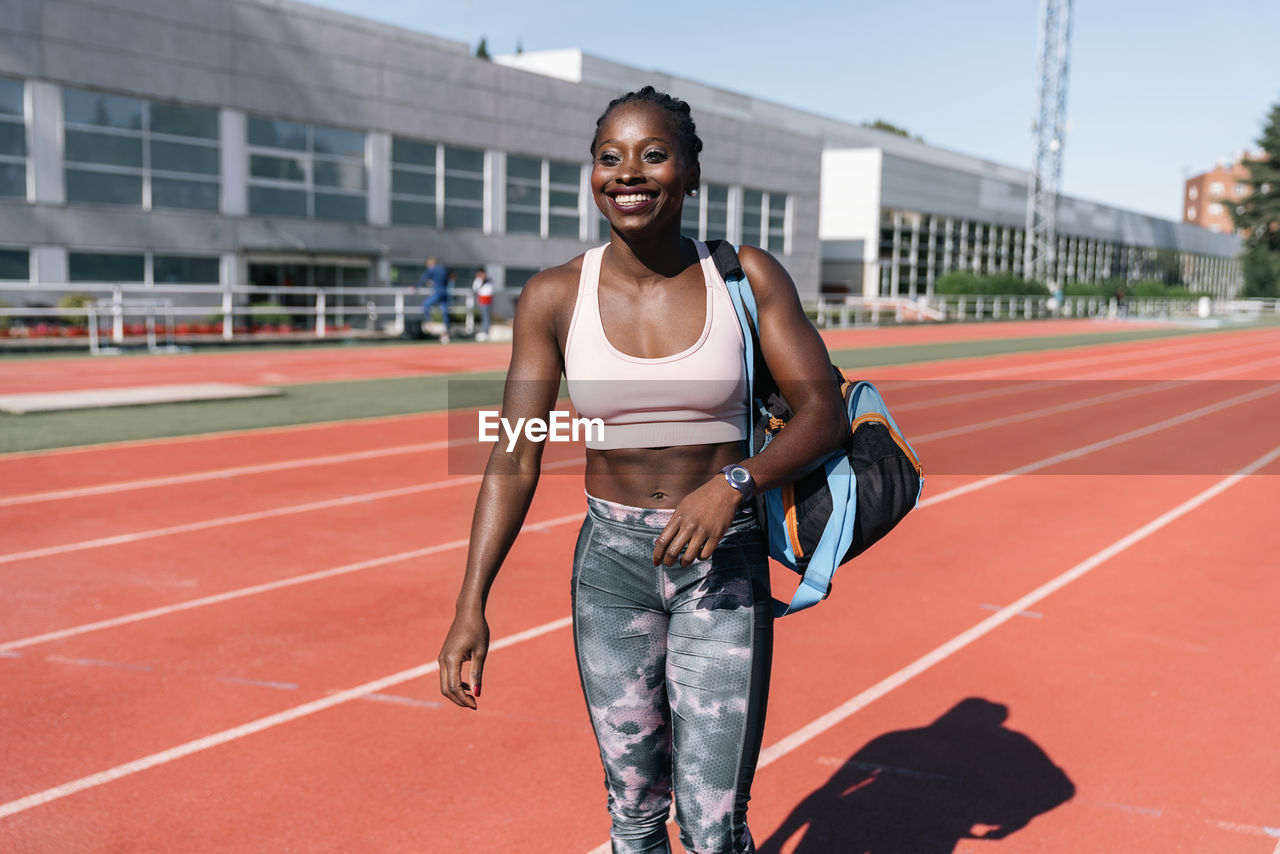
column 655, row 156
column 608, row 158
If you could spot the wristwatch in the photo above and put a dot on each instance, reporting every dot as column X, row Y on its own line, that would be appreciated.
column 740, row 479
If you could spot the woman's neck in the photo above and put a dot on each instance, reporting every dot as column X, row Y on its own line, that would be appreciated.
column 651, row 256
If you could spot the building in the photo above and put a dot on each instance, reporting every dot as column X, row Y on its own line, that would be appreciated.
column 897, row 213
column 218, row 144
column 1207, row 198
column 270, row 143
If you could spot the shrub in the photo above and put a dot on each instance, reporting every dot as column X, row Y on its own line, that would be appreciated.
column 997, row 284
column 74, row 301
column 1084, row 289
column 269, row 313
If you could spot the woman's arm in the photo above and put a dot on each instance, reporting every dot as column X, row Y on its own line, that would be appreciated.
column 798, row 361
column 800, row 365
column 510, row 479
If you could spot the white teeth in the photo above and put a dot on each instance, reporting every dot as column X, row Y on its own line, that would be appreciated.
column 632, row 199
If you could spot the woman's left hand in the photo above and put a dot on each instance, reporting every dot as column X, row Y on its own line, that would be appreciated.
column 698, row 523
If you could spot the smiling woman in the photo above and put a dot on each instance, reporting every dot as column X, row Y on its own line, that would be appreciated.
column 673, row 619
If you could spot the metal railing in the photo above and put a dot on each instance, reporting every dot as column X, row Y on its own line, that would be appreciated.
column 855, row 311
column 124, row 311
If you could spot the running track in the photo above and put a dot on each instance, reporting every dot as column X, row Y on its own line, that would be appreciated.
column 227, row 643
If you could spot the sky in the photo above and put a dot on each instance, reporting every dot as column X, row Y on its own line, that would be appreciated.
column 1158, row 89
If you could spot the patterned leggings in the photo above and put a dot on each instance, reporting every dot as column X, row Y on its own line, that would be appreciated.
column 674, row 665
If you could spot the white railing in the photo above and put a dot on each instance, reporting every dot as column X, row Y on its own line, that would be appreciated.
column 857, row 311
column 854, row 311
column 136, row 311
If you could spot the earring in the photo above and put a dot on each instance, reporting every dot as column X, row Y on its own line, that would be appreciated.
column 694, row 191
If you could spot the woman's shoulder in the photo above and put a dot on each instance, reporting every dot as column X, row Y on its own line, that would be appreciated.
column 767, row 275
column 554, row 285
column 549, row 296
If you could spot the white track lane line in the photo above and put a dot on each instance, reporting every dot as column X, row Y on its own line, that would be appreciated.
column 806, row 733
column 190, row 527
column 217, row 474
column 262, row 468
column 276, row 512
column 1173, row 349
column 847, row 709
column 965, row 489
column 242, row 592
column 769, row 755
column 1085, row 450
column 228, row 735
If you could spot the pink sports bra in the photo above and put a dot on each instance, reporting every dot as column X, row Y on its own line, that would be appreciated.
column 694, row 397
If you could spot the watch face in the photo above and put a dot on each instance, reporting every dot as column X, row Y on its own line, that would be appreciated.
column 740, row 475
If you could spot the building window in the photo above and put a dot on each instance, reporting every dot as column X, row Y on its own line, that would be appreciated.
column 129, row 151
column 775, row 237
column 15, row 264
column 463, row 188
column 106, row 267
column 689, row 217
column 516, row 278
column 1191, row 212
column 185, row 269
column 304, row 170
column 752, row 217
column 1215, row 209
column 1242, row 189
column 524, row 195
column 413, row 182
column 13, row 140
column 1193, row 193
column 716, row 199
column 564, row 195
column 1215, row 189
column 543, row 196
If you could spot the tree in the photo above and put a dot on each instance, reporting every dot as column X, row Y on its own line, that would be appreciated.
column 1258, row 213
column 482, row 49
column 888, row 127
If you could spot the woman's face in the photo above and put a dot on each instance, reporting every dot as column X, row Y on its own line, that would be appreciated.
column 640, row 174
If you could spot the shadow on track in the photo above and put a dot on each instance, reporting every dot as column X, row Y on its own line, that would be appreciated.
column 920, row 791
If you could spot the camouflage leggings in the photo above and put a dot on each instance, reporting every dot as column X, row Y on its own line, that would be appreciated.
column 675, row 669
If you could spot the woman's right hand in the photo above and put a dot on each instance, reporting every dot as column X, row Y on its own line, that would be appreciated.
column 468, row 640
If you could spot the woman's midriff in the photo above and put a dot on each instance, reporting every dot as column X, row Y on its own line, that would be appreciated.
column 656, row 477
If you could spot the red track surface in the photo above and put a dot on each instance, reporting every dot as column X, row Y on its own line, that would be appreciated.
column 1149, row 677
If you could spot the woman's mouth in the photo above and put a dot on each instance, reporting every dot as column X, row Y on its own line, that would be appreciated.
column 632, row 202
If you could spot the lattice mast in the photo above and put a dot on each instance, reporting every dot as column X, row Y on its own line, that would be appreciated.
column 1040, row 249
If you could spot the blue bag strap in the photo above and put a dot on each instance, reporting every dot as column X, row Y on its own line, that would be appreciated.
column 744, row 305
column 816, row 582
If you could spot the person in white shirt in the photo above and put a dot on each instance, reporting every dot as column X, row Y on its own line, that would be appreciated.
column 484, row 297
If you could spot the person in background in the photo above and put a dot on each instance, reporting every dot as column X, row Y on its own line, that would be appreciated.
column 438, row 277
column 484, row 298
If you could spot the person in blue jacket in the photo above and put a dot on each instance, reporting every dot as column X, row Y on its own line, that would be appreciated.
column 436, row 274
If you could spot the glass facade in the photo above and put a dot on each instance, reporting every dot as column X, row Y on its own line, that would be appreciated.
column 543, row 196
column 13, row 140
column 306, row 170
column 463, row 188
column 413, row 182
column 130, row 151
column 106, row 267
column 524, row 195
column 15, row 264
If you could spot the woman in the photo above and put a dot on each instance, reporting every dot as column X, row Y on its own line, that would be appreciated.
column 672, row 612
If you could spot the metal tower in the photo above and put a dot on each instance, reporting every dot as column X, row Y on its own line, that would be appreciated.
column 1040, row 248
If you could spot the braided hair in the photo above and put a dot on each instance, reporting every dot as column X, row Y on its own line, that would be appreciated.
column 677, row 113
